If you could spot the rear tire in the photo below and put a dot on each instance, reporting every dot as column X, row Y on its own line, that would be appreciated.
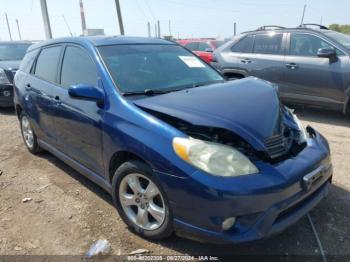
column 141, row 202
column 28, row 135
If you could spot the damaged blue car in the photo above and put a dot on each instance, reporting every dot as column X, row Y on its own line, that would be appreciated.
column 179, row 148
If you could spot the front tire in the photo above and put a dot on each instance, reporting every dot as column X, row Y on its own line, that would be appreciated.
column 29, row 137
column 141, row 202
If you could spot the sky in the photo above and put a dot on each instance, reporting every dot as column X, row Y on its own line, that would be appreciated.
column 188, row 18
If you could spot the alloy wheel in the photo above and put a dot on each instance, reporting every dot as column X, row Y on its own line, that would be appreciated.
column 142, row 201
column 27, row 132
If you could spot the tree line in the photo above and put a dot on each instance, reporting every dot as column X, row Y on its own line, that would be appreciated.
column 340, row 28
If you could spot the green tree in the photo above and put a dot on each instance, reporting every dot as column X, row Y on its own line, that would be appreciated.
column 340, row 28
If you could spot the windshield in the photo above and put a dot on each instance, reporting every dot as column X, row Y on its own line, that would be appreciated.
column 13, row 51
column 339, row 37
column 138, row 68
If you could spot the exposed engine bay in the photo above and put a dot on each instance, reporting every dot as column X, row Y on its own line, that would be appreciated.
column 280, row 147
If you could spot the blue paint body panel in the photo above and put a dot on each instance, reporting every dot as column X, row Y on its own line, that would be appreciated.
column 86, row 135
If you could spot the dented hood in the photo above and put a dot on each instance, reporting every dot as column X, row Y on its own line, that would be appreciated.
column 249, row 107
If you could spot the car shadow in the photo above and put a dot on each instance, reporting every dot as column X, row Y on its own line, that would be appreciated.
column 77, row 176
column 7, row 111
column 298, row 240
column 323, row 116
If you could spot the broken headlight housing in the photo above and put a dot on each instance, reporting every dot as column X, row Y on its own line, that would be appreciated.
column 213, row 158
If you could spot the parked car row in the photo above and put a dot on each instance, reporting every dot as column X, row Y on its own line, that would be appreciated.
column 310, row 65
column 179, row 148
column 202, row 47
column 11, row 54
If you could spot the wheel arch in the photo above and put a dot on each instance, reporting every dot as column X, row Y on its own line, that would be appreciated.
column 234, row 72
column 18, row 109
column 120, row 157
column 346, row 107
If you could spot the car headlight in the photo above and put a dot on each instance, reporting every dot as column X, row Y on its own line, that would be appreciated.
column 3, row 77
column 215, row 159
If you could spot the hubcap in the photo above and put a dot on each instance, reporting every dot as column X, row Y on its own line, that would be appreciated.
column 27, row 132
column 142, row 201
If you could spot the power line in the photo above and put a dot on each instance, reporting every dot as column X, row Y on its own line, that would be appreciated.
column 150, row 10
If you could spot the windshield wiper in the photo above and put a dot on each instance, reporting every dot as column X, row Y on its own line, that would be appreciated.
column 200, row 84
column 147, row 92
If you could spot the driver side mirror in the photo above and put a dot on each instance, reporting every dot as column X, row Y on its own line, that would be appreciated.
column 210, row 50
column 86, row 92
column 327, row 52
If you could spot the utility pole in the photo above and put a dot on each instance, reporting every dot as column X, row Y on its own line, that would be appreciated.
column 155, row 30
column 8, row 26
column 82, row 18
column 235, row 28
column 19, row 31
column 65, row 21
column 46, row 19
column 149, row 29
column 169, row 28
column 158, row 24
column 302, row 18
column 120, row 19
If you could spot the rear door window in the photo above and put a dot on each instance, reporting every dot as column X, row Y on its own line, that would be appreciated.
column 268, row 44
column 28, row 60
column 77, row 68
column 244, row 45
column 47, row 63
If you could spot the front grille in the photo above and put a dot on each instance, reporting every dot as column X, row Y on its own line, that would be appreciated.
column 276, row 145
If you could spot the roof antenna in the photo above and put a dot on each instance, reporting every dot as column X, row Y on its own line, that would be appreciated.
column 302, row 18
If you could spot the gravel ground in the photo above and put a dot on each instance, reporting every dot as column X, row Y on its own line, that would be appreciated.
column 68, row 213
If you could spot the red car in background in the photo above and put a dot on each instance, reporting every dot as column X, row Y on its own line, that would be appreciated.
column 202, row 47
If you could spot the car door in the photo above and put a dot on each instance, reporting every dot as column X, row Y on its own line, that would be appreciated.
column 39, row 88
column 229, row 60
column 312, row 79
column 78, row 122
column 266, row 60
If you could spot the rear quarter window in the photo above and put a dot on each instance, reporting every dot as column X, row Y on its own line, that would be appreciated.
column 28, row 61
column 244, row 45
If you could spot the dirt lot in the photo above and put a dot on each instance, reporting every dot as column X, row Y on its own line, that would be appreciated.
column 68, row 213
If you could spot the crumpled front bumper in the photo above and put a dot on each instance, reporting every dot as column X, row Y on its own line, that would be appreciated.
column 263, row 204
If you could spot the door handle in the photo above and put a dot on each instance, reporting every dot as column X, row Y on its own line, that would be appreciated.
column 246, row 60
column 57, row 100
column 292, row 66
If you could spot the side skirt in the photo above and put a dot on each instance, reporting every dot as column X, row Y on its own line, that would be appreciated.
column 78, row 167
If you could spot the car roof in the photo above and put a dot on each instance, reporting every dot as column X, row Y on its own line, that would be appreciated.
column 284, row 30
column 103, row 41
